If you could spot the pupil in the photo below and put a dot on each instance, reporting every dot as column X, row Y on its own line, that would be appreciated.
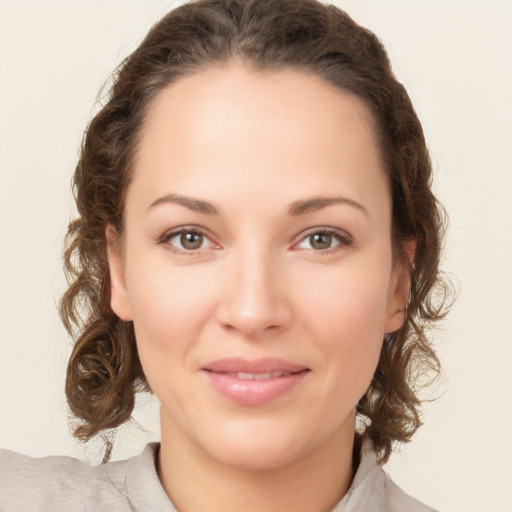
column 321, row 241
column 191, row 240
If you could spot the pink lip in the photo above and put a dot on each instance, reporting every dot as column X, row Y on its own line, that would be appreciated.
column 262, row 365
column 253, row 392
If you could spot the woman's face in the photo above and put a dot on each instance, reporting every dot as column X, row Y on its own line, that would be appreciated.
column 256, row 262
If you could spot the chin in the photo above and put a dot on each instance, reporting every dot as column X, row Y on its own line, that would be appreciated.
column 256, row 447
column 255, row 457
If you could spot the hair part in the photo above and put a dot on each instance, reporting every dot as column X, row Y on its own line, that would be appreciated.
column 104, row 371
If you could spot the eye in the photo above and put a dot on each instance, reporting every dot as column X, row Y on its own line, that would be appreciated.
column 324, row 240
column 186, row 240
column 189, row 241
column 321, row 241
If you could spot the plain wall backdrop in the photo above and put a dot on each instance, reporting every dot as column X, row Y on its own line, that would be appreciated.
column 455, row 58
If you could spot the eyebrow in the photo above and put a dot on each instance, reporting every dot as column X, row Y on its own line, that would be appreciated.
column 196, row 205
column 317, row 203
column 296, row 208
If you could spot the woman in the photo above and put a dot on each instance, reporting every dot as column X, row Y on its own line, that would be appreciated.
column 257, row 244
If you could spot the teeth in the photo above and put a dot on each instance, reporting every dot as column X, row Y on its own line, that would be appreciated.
column 261, row 376
column 245, row 376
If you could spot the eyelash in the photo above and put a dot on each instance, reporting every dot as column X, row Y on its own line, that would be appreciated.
column 169, row 235
column 343, row 238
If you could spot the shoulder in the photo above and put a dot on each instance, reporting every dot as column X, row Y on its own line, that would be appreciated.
column 373, row 489
column 395, row 499
column 28, row 483
column 65, row 483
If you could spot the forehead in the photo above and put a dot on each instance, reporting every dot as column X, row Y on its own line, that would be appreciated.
column 261, row 100
column 287, row 128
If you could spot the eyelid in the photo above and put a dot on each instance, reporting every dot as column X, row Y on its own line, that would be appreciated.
column 171, row 233
column 345, row 238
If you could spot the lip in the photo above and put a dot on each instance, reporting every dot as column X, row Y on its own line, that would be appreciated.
column 261, row 365
column 222, row 376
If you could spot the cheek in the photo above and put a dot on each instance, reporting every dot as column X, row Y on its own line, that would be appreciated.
column 352, row 300
column 168, row 310
column 345, row 316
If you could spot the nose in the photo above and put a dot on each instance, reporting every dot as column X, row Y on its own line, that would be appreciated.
column 255, row 300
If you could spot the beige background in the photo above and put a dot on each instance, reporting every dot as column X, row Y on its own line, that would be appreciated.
column 455, row 57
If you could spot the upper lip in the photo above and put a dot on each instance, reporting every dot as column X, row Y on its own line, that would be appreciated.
column 261, row 365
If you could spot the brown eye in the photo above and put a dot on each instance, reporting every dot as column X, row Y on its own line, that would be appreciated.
column 191, row 240
column 325, row 241
column 320, row 241
column 187, row 241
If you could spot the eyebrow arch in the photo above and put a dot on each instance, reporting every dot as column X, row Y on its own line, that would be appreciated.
column 196, row 205
column 317, row 203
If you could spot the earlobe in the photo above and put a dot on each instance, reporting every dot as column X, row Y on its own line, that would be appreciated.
column 399, row 289
column 395, row 319
column 410, row 250
column 118, row 292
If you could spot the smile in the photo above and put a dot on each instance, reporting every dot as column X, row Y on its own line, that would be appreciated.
column 255, row 382
column 258, row 376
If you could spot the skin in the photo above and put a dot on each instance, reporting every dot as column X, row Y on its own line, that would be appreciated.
column 253, row 144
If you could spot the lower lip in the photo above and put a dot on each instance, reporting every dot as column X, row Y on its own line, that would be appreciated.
column 254, row 392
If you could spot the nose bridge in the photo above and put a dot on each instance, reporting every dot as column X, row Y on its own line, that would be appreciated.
column 256, row 299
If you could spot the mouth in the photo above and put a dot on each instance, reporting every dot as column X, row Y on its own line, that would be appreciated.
column 255, row 382
column 258, row 376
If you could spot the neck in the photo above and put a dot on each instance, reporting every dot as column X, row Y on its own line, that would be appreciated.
column 315, row 481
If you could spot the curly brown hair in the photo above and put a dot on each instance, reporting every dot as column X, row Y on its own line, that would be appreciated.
column 104, row 371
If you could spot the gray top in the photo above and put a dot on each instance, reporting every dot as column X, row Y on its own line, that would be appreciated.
column 66, row 484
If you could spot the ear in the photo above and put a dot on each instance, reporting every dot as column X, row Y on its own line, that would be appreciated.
column 118, row 292
column 399, row 288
